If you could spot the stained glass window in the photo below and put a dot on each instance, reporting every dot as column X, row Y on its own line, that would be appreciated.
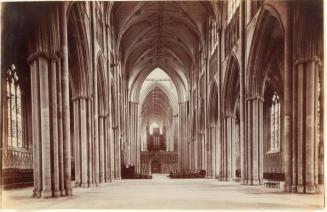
column 275, row 124
column 14, row 109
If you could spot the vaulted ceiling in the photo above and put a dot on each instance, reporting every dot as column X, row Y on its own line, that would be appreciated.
column 162, row 34
column 156, row 107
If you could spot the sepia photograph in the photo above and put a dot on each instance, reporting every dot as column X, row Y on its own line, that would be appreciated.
column 176, row 105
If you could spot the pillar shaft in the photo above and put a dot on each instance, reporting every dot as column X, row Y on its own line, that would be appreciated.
column 60, row 131
column 45, row 128
column 54, row 130
column 298, row 137
column 77, row 132
column 101, row 147
column 310, row 128
column 90, row 143
column 83, row 146
column 287, row 131
column 95, row 144
column 65, row 103
column 37, row 163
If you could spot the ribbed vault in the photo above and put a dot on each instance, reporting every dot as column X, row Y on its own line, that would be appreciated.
column 159, row 34
column 156, row 107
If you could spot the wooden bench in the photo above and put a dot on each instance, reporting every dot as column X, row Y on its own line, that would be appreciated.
column 273, row 179
column 236, row 180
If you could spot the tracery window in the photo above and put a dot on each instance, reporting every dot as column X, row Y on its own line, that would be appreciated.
column 99, row 28
column 275, row 123
column 14, row 108
column 231, row 8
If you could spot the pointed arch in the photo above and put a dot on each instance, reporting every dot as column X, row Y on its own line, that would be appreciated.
column 231, row 85
column 267, row 43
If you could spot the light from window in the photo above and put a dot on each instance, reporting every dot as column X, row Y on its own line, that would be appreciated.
column 231, row 8
column 275, row 124
column 14, row 109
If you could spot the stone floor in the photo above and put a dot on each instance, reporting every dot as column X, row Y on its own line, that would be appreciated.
column 165, row 193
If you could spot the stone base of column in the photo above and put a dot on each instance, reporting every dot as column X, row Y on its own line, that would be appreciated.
column 294, row 189
column 56, row 193
column 36, row 193
column 91, row 184
column 69, row 192
column 77, row 184
column 287, row 188
column 84, row 185
column 46, row 194
column 320, row 188
column 310, row 189
column 222, row 179
column 300, row 189
column 256, row 182
column 102, row 180
column 243, row 182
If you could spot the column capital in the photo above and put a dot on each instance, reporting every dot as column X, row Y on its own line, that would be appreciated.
column 302, row 60
column 38, row 54
column 134, row 103
column 78, row 97
column 230, row 116
column 257, row 97
column 103, row 115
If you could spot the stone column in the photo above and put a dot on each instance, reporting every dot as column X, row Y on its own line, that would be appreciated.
column 113, row 150
column 90, row 142
column 77, row 133
column 229, row 145
column 115, row 158
column 213, row 150
column 298, row 133
column 105, row 150
column 137, row 138
column 65, row 102
column 233, row 156
column 255, row 109
column 54, row 129
column 293, row 186
column 101, row 147
column 37, row 162
column 94, row 146
column 179, row 140
column 60, row 130
column 45, row 127
column 131, row 143
column 46, row 124
column 287, row 108
column 119, row 159
column 84, row 138
column 310, row 119
column 223, row 149
column 107, row 153
column 218, row 152
column 243, row 145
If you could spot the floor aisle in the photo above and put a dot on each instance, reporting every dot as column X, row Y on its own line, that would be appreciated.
column 165, row 193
